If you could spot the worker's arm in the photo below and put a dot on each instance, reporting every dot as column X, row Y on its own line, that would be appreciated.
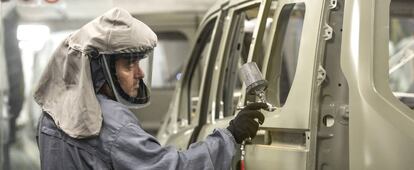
column 135, row 149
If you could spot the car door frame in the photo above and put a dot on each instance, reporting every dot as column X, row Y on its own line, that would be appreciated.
column 214, row 103
column 297, row 118
column 179, row 133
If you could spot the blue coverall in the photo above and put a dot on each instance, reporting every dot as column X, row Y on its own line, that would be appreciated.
column 123, row 144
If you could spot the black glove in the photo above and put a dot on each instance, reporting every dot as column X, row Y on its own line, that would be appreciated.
column 244, row 124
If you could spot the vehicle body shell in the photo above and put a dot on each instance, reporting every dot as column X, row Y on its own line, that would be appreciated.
column 341, row 76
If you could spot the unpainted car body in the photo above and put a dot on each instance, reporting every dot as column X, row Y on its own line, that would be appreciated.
column 329, row 65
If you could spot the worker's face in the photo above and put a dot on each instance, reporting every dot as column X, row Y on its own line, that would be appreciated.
column 129, row 73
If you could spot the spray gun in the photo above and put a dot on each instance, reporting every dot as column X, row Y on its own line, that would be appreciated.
column 255, row 85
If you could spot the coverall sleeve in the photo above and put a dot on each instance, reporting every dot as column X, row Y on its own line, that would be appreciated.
column 135, row 149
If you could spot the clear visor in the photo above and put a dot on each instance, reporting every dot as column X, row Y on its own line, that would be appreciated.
column 129, row 76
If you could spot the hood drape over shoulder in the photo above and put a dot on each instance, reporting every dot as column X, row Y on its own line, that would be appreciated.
column 65, row 90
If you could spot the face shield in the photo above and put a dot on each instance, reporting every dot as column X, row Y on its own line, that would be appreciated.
column 129, row 76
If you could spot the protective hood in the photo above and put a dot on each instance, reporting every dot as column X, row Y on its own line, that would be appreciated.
column 65, row 90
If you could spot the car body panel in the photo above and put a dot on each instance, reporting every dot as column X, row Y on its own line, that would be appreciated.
column 340, row 112
column 381, row 135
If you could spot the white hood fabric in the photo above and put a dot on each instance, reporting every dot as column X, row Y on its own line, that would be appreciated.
column 65, row 90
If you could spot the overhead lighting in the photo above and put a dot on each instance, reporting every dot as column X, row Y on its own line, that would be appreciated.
column 32, row 36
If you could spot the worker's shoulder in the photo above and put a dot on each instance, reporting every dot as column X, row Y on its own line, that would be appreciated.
column 115, row 115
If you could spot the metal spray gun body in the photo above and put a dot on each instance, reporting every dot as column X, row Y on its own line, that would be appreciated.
column 255, row 85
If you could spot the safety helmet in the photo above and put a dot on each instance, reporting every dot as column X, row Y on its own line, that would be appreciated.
column 122, row 37
column 65, row 90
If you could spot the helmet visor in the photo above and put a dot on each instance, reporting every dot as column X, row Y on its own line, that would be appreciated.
column 129, row 76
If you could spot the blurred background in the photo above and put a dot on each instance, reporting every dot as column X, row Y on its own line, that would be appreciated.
column 30, row 30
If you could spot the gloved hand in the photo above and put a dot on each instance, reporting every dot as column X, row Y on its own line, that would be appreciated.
column 244, row 124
